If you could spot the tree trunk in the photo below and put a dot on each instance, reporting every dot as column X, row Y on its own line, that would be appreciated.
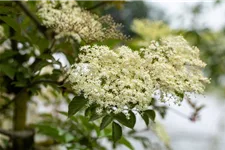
column 19, row 122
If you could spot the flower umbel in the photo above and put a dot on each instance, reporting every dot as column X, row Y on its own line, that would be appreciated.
column 175, row 67
column 114, row 79
column 122, row 79
column 67, row 19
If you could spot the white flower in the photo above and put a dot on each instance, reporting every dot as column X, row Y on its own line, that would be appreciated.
column 67, row 19
column 122, row 79
column 175, row 66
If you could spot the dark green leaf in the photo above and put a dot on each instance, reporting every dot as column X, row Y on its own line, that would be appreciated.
column 106, row 121
column 95, row 116
column 116, row 131
column 40, row 65
column 8, row 70
column 127, row 122
column 76, row 104
column 145, row 118
column 132, row 119
column 6, row 10
column 11, row 22
column 7, row 54
column 150, row 114
column 20, row 83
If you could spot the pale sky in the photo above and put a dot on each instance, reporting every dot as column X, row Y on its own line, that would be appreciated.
column 213, row 16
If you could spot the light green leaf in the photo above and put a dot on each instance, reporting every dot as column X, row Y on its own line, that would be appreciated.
column 76, row 104
column 68, row 137
column 127, row 143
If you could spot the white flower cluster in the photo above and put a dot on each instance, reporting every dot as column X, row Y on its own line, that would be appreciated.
column 67, row 19
column 114, row 79
column 122, row 79
column 175, row 67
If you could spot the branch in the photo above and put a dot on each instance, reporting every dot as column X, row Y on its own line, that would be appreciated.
column 6, row 133
column 45, row 81
column 25, row 9
column 17, row 134
column 97, row 5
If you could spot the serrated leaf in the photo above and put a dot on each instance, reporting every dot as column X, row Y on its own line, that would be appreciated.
column 127, row 143
column 106, row 121
column 127, row 122
column 76, row 104
column 150, row 114
column 116, row 132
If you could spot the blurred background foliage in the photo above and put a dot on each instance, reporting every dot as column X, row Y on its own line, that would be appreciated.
column 24, row 62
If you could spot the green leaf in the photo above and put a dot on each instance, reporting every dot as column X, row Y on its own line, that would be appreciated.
column 145, row 118
column 49, row 131
column 76, row 104
column 68, row 137
column 127, row 143
column 8, row 70
column 116, row 132
column 11, row 22
column 127, row 122
column 6, row 10
column 41, row 65
column 150, row 114
column 106, row 121
column 7, row 54
column 95, row 116
column 132, row 118
column 20, row 83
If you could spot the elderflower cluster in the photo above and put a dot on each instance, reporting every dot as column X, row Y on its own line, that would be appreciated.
column 114, row 79
column 175, row 67
column 150, row 30
column 122, row 79
column 67, row 19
